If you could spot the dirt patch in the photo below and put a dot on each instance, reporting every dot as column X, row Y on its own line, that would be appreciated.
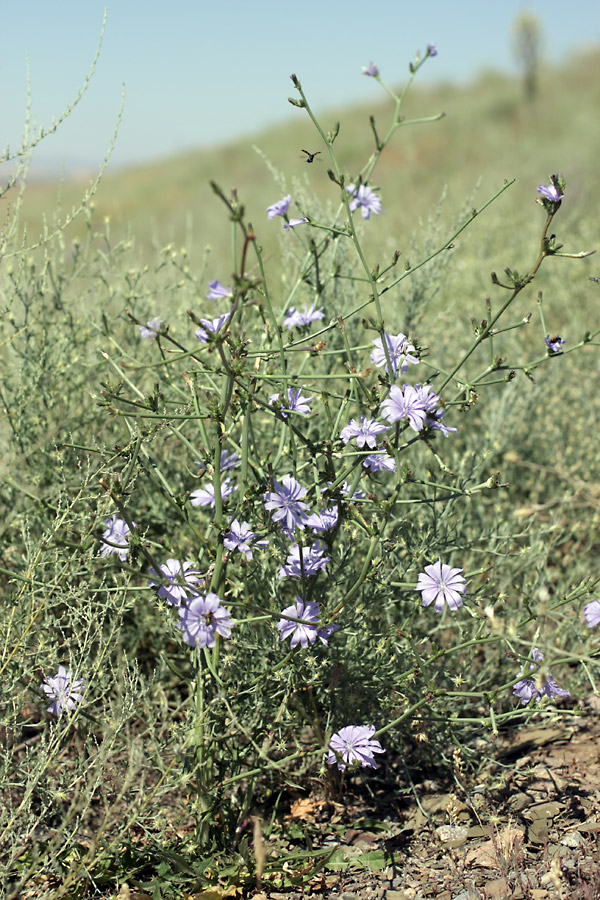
column 527, row 827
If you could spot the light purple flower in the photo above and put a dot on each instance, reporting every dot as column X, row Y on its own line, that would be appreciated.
column 323, row 521
column 205, row 496
column 367, row 199
column 352, row 746
column 296, row 403
column 371, row 70
column 591, row 613
column 115, row 540
column 378, row 462
column 434, row 415
column 151, row 329
column 229, row 461
column 400, row 352
column 365, row 433
column 550, row 192
column 305, row 561
column 280, row 208
column 528, row 689
column 176, row 581
column 296, row 319
column 405, row 403
column 344, row 489
column 286, row 501
column 217, row 291
column 442, row 584
column 203, row 618
column 554, row 344
column 63, row 691
column 431, row 50
column 241, row 537
column 212, row 326
column 293, row 222
column 306, row 631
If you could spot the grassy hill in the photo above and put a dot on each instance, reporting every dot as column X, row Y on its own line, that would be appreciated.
column 489, row 134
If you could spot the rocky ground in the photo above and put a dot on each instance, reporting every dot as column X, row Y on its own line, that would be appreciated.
column 528, row 827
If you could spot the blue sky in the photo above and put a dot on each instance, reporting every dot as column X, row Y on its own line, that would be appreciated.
column 203, row 73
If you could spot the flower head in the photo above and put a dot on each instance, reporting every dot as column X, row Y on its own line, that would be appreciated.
column 304, row 561
column 151, row 329
column 280, row 208
column 241, row 537
column 379, row 462
column 434, row 414
column 442, row 584
column 550, row 193
column 115, row 539
column 205, row 496
column 323, row 521
column 371, row 70
column 366, row 198
column 203, row 618
column 295, row 403
column 591, row 613
column 287, row 502
column 176, row 581
column 431, row 50
column 307, row 630
column 212, row 326
column 352, row 746
column 528, row 689
column 405, row 403
column 229, row 461
column 296, row 319
column 217, row 291
column 399, row 350
column 63, row 691
column 293, row 222
column 554, row 344
column 365, row 433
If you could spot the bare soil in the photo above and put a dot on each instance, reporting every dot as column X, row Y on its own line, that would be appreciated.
column 528, row 828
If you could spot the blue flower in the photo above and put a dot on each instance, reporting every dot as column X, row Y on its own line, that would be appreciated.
column 287, row 502
column 323, row 521
column 591, row 613
column 241, row 537
column 366, row 198
column 370, row 70
column 217, row 291
column 295, row 402
column 527, row 689
column 205, row 496
column 63, row 691
column 399, row 350
column 550, row 192
column 442, row 584
column 151, row 329
column 115, row 539
column 305, row 561
column 212, row 326
column 293, row 222
column 365, row 433
column 380, row 461
column 405, row 403
column 280, row 208
column 202, row 619
column 307, row 630
column 296, row 319
column 554, row 344
column 176, row 581
column 353, row 746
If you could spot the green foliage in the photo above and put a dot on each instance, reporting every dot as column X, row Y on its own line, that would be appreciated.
column 174, row 752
